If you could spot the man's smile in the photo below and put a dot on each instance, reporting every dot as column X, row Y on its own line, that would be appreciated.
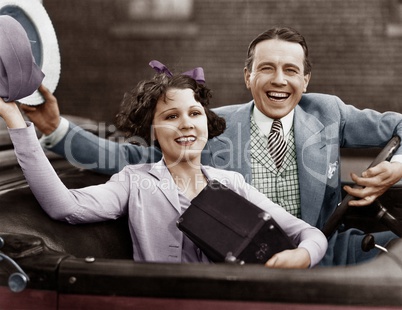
column 277, row 96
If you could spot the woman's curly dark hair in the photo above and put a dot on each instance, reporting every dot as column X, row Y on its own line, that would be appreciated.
column 138, row 106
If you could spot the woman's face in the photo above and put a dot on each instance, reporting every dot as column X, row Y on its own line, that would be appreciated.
column 180, row 126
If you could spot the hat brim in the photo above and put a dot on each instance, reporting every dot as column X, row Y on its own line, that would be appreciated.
column 33, row 17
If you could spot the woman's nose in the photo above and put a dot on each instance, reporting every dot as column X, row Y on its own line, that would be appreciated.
column 186, row 123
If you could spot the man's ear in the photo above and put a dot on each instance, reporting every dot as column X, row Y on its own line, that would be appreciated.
column 247, row 77
column 307, row 78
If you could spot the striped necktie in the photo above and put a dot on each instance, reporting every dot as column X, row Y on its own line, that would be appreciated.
column 276, row 143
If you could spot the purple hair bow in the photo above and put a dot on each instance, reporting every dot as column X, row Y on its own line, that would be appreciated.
column 197, row 73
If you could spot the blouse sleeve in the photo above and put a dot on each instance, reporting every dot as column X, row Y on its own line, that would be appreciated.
column 89, row 204
column 303, row 234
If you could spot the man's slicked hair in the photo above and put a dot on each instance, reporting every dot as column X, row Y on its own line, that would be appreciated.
column 280, row 33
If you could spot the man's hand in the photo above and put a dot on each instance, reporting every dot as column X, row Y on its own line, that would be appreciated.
column 374, row 182
column 45, row 116
column 298, row 258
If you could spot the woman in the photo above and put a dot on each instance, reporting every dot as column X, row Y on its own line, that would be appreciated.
column 172, row 110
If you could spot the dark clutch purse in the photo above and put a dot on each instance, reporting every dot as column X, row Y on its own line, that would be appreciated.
column 229, row 228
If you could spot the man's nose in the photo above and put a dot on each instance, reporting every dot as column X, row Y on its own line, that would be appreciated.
column 279, row 78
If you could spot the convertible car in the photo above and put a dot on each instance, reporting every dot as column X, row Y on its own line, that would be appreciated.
column 47, row 264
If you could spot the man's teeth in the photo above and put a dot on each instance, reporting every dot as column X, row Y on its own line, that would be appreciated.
column 278, row 95
column 186, row 139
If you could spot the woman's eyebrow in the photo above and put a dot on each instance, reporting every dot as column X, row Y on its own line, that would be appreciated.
column 175, row 109
column 166, row 111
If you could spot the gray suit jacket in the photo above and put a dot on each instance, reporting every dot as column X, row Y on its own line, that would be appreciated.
column 322, row 125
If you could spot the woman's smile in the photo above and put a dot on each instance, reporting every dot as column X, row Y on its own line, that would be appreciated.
column 186, row 140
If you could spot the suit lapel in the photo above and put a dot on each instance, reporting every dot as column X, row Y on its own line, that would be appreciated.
column 231, row 151
column 312, row 162
column 166, row 184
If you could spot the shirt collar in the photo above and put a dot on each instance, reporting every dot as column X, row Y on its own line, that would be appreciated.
column 264, row 122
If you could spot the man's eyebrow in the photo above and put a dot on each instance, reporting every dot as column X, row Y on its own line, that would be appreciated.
column 288, row 64
column 265, row 63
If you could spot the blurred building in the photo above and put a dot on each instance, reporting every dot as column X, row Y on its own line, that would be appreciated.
column 355, row 47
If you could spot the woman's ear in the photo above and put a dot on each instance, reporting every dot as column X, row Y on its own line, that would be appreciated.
column 153, row 134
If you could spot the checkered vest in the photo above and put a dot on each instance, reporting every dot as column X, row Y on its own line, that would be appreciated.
column 281, row 186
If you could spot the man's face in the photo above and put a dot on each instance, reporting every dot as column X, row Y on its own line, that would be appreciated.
column 277, row 80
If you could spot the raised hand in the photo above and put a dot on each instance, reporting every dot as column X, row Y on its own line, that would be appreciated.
column 11, row 114
column 45, row 116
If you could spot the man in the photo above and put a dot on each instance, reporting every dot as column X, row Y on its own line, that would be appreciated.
column 305, row 177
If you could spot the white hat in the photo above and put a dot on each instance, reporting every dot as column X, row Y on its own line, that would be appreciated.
column 33, row 17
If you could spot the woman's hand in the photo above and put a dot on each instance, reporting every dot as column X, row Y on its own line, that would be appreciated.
column 11, row 114
column 298, row 258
